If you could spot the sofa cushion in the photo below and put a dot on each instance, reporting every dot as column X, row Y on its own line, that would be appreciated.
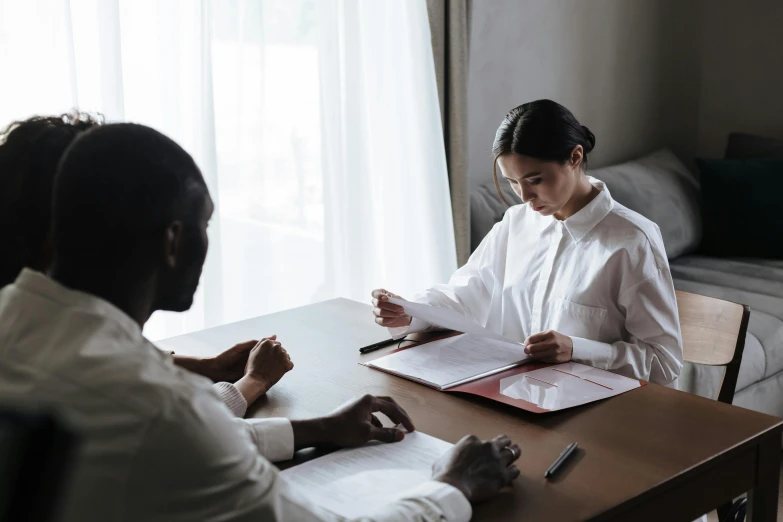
column 755, row 282
column 750, row 146
column 486, row 209
column 662, row 189
column 740, row 207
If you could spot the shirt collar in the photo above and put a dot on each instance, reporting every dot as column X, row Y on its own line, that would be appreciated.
column 588, row 217
column 38, row 283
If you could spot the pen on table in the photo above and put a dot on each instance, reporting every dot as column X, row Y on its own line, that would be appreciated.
column 560, row 460
column 378, row 346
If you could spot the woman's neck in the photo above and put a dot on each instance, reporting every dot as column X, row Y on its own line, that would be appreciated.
column 584, row 193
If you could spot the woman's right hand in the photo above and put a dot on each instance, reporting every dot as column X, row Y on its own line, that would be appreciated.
column 388, row 314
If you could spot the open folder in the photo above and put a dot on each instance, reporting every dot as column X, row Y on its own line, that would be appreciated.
column 481, row 362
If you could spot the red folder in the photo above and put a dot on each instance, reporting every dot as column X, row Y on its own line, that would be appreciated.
column 532, row 386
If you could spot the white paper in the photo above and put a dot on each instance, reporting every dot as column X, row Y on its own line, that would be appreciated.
column 565, row 385
column 448, row 362
column 446, row 318
column 357, row 482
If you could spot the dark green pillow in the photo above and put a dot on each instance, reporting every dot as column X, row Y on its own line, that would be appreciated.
column 742, row 207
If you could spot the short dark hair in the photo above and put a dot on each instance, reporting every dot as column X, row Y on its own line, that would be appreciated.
column 541, row 129
column 117, row 186
column 29, row 153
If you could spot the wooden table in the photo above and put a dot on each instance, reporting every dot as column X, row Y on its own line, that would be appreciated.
column 653, row 454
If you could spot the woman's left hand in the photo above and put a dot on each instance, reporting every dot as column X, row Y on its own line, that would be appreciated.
column 550, row 346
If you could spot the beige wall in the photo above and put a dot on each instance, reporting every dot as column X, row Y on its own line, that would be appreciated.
column 628, row 69
column 741, row 71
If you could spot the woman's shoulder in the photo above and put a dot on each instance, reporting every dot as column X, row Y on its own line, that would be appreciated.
column 633, row 229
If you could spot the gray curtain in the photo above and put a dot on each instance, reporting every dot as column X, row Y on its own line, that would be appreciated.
column 450, row 28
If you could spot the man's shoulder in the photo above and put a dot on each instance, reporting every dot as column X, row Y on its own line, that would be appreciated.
column 147, row 381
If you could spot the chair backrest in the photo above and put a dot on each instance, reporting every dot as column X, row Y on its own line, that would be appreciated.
column 36, row 453
column 713, row 333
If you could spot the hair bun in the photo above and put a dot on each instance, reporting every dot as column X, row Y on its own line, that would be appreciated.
column 590, row 138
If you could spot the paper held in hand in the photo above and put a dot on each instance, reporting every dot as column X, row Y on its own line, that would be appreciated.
column 447, row 318
column 446, row 363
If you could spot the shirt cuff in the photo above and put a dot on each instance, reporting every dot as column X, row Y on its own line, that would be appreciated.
column 232, row 398
column 592, row 353
column 453, row 504
column 417, row 325
column 273, row 437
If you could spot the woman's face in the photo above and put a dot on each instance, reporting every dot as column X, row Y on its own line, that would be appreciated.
column 547, row 186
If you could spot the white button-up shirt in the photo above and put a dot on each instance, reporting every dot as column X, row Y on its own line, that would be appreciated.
column 601, row 277
column 158, row 444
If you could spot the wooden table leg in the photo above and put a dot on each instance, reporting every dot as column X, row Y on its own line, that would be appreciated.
column 763, row 498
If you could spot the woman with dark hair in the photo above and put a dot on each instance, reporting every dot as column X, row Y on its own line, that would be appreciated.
column 571, row 272
column 30, row 152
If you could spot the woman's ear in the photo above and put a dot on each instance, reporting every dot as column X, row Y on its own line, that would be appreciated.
column 577, row 155
column 172, row 246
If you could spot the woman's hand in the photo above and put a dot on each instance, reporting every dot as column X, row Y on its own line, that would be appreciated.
column 388, row 314
column 550, row 347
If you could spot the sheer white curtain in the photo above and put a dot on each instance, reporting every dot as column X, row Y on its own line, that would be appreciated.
column 316, row 124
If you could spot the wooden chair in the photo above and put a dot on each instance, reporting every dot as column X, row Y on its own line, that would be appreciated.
column 713, row 333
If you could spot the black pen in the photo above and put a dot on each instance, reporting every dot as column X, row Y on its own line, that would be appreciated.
column 560, row 460
column 378, row 346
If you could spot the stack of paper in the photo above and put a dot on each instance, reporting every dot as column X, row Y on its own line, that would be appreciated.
column 453, row 361
column 357, row 482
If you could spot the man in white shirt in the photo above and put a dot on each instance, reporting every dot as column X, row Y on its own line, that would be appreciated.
column 130, row 217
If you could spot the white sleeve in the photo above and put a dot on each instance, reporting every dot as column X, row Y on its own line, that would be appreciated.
column 194, row 464
column 231, row 397
column 654, row 350
column 273, row 438
column 469, row 291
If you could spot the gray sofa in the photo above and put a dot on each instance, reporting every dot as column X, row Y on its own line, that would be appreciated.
column 662, row 189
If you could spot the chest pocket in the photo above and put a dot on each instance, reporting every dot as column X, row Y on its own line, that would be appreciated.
column 576, row 319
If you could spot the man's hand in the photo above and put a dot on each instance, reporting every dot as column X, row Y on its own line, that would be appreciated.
column 479, row 469
column 266, row 364
column 550, row 347
column 353, row 424
column 230, row 365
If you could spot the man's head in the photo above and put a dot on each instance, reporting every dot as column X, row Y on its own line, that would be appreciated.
column 131, row 209
column 29, row 153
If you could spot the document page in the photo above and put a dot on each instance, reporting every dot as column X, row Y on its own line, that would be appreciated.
column 359, row 481
column 452, row 361
column 446, row 318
